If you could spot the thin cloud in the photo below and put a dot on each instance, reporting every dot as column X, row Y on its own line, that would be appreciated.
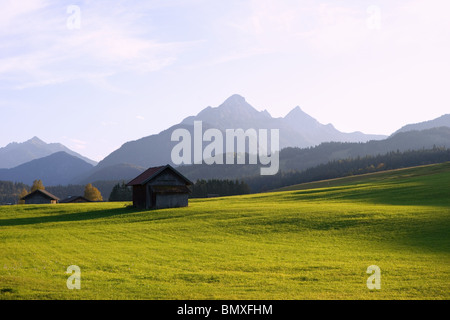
column 108, row 123
column 77, row 141
column 333, row 28
column 78, row 144
column 109, row 42
column 14, row 11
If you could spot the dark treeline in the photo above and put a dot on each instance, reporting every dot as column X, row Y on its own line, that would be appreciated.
column 348, row 167
column 121, row 192
column 62, row 192
column 10, row 191
column 218, row 188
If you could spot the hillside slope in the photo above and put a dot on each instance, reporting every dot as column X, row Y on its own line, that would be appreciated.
column 301, row 244
column 388, row 176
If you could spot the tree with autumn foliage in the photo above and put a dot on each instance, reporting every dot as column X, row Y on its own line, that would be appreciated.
column 37, row 185
column 92, row 193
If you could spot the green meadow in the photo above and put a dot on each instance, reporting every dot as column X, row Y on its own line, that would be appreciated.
column 312, row 241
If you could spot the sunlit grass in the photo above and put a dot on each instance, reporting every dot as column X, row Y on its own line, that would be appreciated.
column 298, row 244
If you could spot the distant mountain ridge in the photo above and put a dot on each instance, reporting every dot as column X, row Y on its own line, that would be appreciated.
column 316, row 133
column 297, row 129
column 62, row 169
column 116, row 172
column 15, row 153
column 59, row 168
column 442, row 121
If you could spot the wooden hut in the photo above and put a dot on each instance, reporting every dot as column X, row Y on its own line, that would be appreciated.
column 159, row 188
column 40, row 197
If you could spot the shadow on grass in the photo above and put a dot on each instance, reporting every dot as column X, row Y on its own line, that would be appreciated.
column 67, row 217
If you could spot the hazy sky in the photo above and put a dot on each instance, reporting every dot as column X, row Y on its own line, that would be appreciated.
column 95, row 74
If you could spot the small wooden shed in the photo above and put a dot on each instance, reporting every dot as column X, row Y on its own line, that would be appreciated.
column 159, row 188
column 40, row 197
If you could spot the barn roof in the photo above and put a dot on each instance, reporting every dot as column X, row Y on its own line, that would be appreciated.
column 43, row 192
column 151, row 173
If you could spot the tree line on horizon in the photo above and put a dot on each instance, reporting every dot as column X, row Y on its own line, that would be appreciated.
column 16, row 191
column 218, row 188
column 201, row 189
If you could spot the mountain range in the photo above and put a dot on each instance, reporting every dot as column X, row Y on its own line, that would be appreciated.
column 304, row 141
column 297, row 129
column 15, row 154
column 442, row 121
column 59, row 168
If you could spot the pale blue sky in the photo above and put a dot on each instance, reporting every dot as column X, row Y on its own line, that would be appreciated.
column 134, row 68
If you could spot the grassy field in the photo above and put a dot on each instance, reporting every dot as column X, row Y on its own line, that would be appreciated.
column 313, row 241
